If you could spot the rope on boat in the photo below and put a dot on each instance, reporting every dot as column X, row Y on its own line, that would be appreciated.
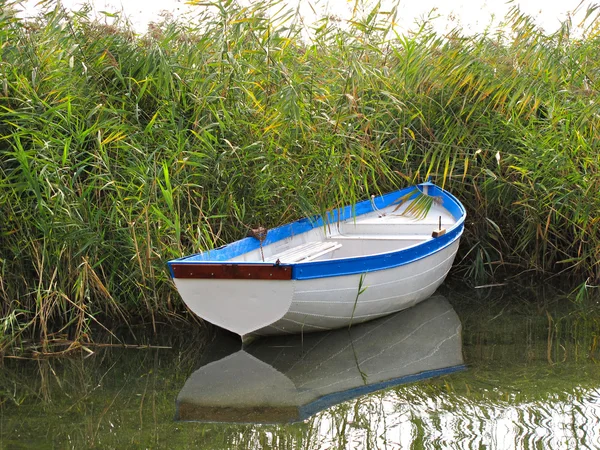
column 259, row 233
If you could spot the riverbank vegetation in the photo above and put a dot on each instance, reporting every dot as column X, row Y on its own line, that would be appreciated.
column 120, row 151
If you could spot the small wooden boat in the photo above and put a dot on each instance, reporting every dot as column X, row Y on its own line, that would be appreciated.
column 352, row 265
column 289, row 378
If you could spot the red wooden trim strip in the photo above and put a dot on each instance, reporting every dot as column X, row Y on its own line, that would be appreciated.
column 232, row 271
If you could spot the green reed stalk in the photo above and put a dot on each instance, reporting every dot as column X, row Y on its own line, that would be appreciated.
column 119, row 152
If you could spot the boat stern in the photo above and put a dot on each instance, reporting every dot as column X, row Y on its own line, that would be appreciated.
column 241, row 306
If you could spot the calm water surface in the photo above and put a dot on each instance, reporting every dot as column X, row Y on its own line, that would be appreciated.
column 505, row 367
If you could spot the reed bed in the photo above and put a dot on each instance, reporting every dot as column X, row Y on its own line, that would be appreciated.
column 120, row 151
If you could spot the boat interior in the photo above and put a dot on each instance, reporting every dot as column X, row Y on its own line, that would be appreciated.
column 376, row 232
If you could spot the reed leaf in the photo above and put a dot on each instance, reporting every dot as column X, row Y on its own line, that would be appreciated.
column 120, row 151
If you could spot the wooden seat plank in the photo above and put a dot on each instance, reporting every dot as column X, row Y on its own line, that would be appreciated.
column 304, row 252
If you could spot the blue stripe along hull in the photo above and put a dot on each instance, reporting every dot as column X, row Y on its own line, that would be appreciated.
column 329, row 400
column 344, row 266
column 364, row 264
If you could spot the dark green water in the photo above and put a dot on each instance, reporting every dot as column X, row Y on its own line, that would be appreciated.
column 531, row 379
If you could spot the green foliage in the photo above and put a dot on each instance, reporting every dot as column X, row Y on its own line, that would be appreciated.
column 119, row 152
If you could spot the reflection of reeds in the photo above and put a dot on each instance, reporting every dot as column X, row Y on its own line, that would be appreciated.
column 547, row 326
column 119, row 397
column 118, row 153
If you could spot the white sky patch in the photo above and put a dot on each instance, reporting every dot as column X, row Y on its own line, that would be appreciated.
column 471, row 16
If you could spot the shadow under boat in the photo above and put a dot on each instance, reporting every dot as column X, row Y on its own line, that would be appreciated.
column 289, row 378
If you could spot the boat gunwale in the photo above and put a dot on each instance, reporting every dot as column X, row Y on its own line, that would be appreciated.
column 340, row 266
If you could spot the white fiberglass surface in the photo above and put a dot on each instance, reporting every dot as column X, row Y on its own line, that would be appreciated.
column 269, row 251
column 376, row 232
column 352, row 248
column 394, row 215
column 348, row 246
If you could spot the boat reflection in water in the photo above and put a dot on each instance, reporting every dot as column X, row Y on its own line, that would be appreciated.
column 290, row 378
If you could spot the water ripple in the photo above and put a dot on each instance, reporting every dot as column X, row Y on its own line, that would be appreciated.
column 411, row 418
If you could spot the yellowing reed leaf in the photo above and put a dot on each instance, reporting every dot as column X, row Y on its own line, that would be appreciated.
column 114, row 136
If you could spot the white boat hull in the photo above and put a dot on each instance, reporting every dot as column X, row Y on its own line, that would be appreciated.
column 322, row 304
column 317, row 304
column 357, row 264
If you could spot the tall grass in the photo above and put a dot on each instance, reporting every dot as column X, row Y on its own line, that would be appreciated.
column 119, row 152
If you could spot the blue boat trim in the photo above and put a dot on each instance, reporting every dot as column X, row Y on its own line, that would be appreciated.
column 342, row 266
column 329, row 400
column 372, row 263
